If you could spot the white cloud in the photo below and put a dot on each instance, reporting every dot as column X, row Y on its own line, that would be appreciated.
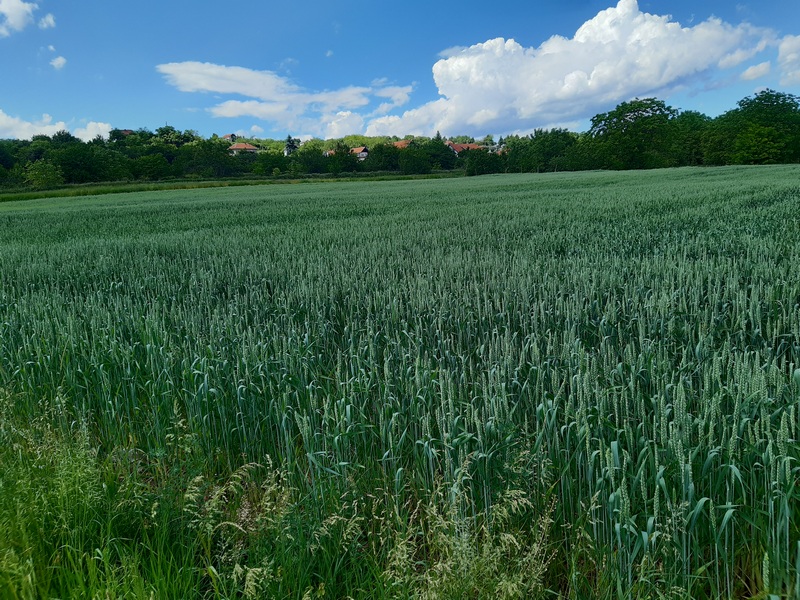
column 416, row 121
column 58, row 62
column 344, row 123
column 756, row 71
column 789, row 60
column 208, row 77
column 268, row 111
column 329, row 54
column 399, row 95
column 622, row 52
column 276, row 98
column 16, row 128
column 501, row 86
column 92, row 130
column 47, row 22
column 452, row 51
column 15, row 15
column 330, row 101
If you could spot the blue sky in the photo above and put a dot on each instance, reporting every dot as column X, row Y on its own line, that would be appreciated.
column 329, row 69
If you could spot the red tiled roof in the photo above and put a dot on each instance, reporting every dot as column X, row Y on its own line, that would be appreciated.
column 402, row 144
column 457, row 148
column 243, row 146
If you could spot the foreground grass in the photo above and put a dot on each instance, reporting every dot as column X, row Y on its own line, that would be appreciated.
column 574, row 385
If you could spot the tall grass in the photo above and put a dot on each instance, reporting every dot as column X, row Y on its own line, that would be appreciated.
column 573, row 385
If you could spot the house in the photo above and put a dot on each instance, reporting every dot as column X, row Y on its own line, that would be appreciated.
column 458, row 148
column 230, row 137
column 240, row 147
column 402, row 144
column 362, row 152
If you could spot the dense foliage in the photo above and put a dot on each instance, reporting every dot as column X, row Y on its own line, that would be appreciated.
column 526, row 386
column 640, row 134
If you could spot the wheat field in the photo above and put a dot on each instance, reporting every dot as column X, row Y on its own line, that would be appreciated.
column 518, row 386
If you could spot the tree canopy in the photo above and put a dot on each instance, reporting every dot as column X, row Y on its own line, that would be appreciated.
column 642, row 133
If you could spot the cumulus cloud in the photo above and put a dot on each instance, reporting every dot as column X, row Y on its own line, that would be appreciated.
column 15, row 15
column 58, row 63
column 276, row 98
column 16, row 128
column 20, row 129
column 789, row 60
column 47, row 22
column 91, row 130
column 396, row 96
column 344, row 123
column 756, row 71
column 500, row 85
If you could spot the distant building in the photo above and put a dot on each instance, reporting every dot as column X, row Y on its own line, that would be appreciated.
column 362, row 152
column 241, row 147
column 402, row 144
column 458, row 148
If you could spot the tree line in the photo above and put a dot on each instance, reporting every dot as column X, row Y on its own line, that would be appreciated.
column 640, row 134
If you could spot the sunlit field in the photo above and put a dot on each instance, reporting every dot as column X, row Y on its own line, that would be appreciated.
column 518, row 386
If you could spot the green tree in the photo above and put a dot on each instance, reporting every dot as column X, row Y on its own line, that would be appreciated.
column 6, row 154
column 414, row 161
column 719, row 139
column 635, row 135
column 383, row 157
column 43, row 175
column 762, row 129
column 84, row 163
column 481, row 162
column 439, row 154
column 133, row 145
column 63, row 138
column 171, row 136
column 116, row 136
column 759, row 145
column 341, row 159
column 543, row 150
column 689, row 134
column 267, row 162
column 776, row 117
column 309, row 158
column 34, row 150
column 15, row 176
column 291, row 145
column 152, row 167
column 209, row 158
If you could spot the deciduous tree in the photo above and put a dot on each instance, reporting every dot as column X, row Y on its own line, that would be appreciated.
column 635, row 135
column 43, row 175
